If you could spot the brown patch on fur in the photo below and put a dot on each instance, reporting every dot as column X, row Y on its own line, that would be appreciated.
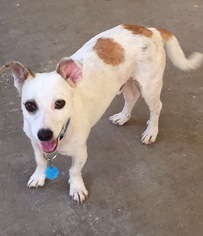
column 31, row 72
column 4, row 67
column 136, row 29
column 109, row 51
column 165, row 34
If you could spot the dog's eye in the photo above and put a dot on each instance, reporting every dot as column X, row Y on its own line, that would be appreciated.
column 31, row 106
column 59, row 104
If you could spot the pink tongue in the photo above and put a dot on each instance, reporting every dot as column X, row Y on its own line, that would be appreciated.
column 49, row 146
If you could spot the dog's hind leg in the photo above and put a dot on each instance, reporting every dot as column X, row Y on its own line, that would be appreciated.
column 38, row 177
column 151, row 91
column 78, row 190
column 131, row 95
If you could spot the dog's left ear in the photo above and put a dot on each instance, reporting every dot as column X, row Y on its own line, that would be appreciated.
column 70, row 70
column 19, row 72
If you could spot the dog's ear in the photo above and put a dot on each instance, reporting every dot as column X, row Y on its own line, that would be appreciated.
column 70, row 70
column 19, row 72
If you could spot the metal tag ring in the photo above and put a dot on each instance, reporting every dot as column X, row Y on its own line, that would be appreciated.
column 51, row 158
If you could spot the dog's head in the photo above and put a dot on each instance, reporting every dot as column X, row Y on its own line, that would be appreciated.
column 46, row 100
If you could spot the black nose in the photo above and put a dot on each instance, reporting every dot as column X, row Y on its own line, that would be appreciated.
column 45, row 134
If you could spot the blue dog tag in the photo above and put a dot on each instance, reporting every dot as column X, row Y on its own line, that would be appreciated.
column 51, row 172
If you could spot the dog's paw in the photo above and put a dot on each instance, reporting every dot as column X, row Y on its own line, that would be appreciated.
column 149, row 135
column 119, row 119
column 36, row 180
column 78, row 190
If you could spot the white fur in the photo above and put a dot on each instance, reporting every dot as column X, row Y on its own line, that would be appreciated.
column 85, row 104
column 178, row 58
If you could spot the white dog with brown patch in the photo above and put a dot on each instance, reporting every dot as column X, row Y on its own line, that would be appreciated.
column 61, row 107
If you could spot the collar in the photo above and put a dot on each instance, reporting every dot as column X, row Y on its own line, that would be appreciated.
column 64, row 129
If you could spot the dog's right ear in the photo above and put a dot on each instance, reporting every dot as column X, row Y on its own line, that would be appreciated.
column 19, row 72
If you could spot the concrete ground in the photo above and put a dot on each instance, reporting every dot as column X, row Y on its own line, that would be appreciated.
column 135, row 190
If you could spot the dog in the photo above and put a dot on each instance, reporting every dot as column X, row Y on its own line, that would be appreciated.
column 60, row 108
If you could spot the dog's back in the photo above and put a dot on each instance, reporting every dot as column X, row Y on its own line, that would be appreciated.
column 132, row 44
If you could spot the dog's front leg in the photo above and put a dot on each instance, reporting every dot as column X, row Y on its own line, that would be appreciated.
column 38, row 177
column 78, row 190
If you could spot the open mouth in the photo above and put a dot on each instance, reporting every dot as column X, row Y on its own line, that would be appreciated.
column 49, row 146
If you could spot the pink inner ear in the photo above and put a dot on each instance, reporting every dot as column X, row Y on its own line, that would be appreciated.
column 72, row 71
column 19, row 71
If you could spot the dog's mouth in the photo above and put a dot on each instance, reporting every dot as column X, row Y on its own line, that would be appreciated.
column 49, row 146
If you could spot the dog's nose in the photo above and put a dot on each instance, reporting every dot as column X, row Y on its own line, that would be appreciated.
column 45, row 134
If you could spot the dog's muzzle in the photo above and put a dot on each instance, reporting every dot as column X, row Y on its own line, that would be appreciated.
column 48, row 144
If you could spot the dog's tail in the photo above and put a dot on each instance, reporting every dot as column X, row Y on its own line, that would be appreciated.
column 176, row 54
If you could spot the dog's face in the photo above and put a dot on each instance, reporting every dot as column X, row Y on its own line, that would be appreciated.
column 47, row 105
column 46, row 100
